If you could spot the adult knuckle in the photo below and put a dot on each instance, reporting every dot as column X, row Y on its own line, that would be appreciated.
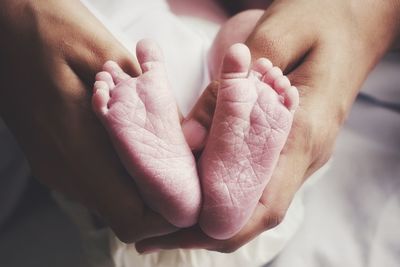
column 306, row 132
column 320, row 136
column 228, row 248
column 126, row 234
column 340, row 113
column 273, row 218
column 321, row 151
column 324, row 157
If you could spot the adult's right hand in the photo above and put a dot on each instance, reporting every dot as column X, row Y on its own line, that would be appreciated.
column 327, row 48
column 50, row 52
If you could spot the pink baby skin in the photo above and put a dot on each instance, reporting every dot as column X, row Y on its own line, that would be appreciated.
column 252, row 119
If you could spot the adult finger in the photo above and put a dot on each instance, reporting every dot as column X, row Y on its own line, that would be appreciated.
column 277, row 38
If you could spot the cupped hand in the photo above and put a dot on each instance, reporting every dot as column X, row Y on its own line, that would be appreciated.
column 51, row 52
column 327, row 49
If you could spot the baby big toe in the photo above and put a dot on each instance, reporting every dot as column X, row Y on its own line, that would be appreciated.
column 149, row 55
column 236, row 63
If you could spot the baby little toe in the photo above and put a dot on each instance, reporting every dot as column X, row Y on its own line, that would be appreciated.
column 101, row 96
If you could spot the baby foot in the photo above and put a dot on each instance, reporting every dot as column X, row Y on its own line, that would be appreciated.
column 141, row 117
column 252, row 120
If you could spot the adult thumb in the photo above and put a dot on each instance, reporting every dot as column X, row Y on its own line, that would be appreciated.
column 198, row 123
column 277, row 38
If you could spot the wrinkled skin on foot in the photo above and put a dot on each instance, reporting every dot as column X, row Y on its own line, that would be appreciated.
column 252, row 119
column 326, row 48
column 53, row 51
column 141, row 117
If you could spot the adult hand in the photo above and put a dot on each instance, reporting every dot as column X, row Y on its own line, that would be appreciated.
column 326, row 48
column 50, row 52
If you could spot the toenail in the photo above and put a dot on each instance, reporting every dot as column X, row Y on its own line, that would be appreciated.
column 267, row 64
column 277, row 71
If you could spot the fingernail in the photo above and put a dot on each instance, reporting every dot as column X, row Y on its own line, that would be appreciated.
column 194, row 132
